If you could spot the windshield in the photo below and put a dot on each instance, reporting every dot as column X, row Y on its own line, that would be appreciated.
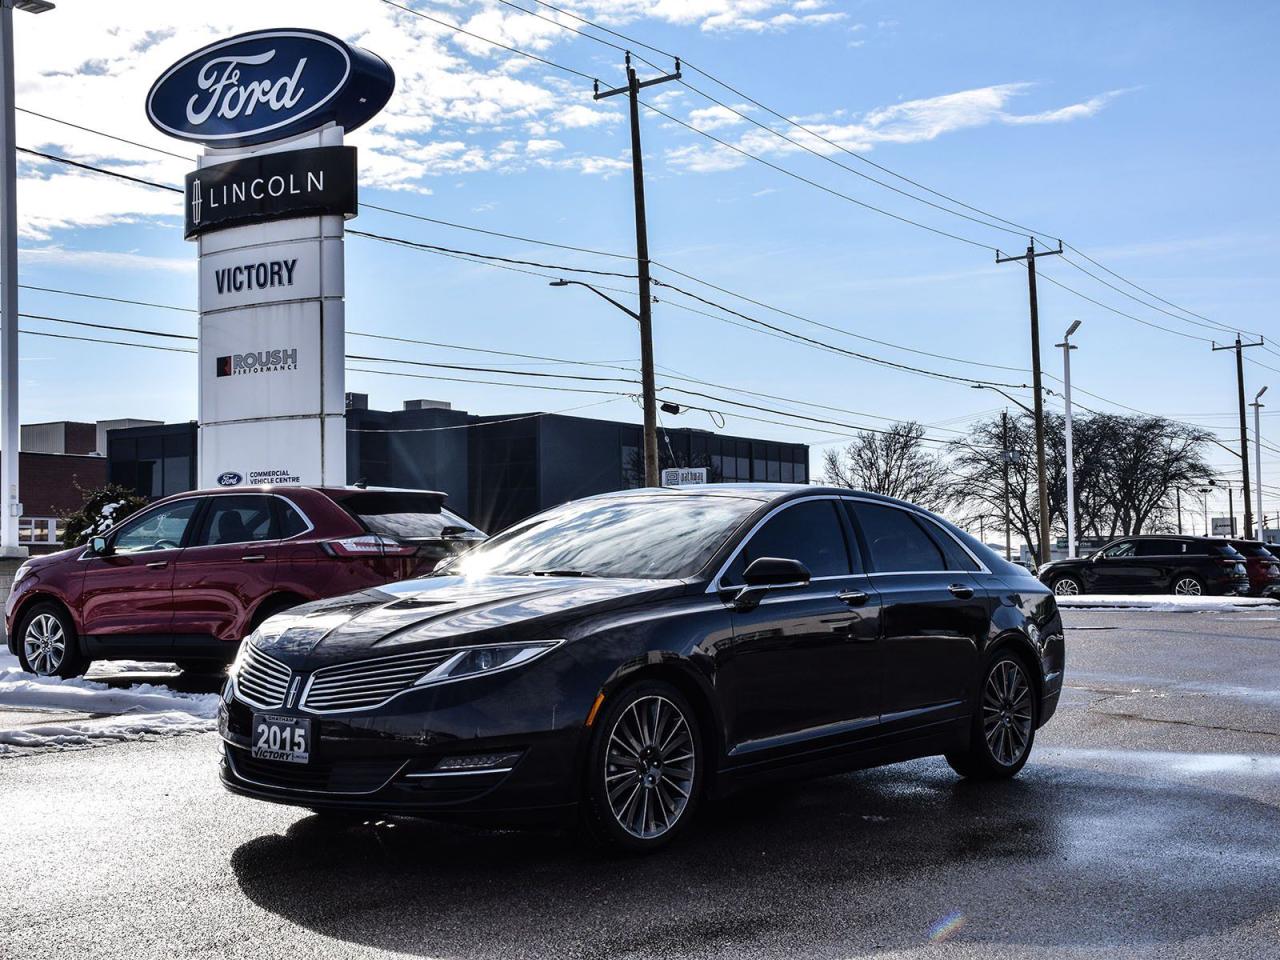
column 648, row 538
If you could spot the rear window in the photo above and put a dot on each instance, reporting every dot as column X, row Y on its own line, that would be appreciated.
column 1226, row 550
column 406, row 515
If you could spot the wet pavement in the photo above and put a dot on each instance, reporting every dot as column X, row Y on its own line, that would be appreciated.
column 1146, row 825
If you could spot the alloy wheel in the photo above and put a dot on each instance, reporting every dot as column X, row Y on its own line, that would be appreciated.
column 649, row 768
column 1006, row 712
column 1187, row 587
column 45, row 644
column 1066, row 587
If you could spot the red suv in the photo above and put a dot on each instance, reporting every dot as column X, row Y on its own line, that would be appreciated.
column 186, row 578
column 1264, row 569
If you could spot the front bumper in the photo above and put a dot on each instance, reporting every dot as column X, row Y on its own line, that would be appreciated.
column 388, row 760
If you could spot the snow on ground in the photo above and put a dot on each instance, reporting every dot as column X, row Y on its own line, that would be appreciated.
column 1165, row 602
column 112, row 714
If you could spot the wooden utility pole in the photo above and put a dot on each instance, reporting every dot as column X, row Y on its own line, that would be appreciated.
column 1239, row 348
column 632, row 89
column 1005, row 456
column 1041, row 480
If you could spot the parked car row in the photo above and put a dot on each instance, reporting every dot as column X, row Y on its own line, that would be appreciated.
column 617, row 659
column 1185, row 566
column 188, row 577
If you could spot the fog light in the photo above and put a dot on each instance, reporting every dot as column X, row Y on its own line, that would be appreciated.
column 478, row 761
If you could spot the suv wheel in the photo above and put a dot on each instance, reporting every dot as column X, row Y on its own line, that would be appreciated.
column 1004, row 723
column 47, row 643
column 645, row 768
column 1188, row 586
column 1067, row 586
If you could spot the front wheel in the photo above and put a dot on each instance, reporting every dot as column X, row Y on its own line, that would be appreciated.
column 645, row 768
column 47, row 643
column 1004, row 724
column 1067, row 587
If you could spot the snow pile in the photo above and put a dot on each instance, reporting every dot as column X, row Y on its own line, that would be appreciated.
column 1165, row 602
column 117, row 713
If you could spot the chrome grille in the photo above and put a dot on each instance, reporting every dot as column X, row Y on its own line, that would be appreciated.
column 367, row 683
column 262, row 680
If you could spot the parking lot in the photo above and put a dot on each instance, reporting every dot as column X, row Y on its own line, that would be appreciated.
column 1147, row 824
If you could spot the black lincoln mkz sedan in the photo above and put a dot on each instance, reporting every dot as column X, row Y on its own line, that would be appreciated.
column 623, row 657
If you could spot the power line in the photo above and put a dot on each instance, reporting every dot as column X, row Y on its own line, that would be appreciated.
column 816, row 184
column 101, row 133
column 87, row 166
column 475, row 36
column 401, row 241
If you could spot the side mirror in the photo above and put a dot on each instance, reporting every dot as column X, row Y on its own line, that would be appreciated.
column 99, row 546
column 775, row 572
column 769, row 573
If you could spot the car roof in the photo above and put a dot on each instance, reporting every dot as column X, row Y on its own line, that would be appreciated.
column 762, row 492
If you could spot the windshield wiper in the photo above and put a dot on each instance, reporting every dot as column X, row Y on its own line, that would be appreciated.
column 559, row 573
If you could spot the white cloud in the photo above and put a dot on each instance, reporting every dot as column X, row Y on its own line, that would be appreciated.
column 105, row 260
column 911, row 121
column 716, row 118
column 538, row 148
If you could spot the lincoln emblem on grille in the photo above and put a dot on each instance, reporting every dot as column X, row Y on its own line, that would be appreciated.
column 291, row 698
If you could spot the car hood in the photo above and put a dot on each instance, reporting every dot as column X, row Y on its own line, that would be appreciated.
column 440, row 612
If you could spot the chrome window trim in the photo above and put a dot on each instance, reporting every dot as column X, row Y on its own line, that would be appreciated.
column 249, row 543
column 553, row 644
column 716, row 585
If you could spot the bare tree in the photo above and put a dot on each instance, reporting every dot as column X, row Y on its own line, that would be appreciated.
column 895, row 463
column 1127, row 473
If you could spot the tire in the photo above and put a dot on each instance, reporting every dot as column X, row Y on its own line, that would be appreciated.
column 646, row 759
column 1003, row 730
column 1067, row 586
column 47, row 643
column 1186, row 585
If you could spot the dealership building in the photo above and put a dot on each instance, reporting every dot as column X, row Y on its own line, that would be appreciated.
column 496, row 469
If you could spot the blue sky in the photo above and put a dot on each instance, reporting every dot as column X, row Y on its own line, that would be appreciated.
column 1143, row 134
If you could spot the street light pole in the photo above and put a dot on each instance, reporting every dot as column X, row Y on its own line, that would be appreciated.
column 1257, row 461
column 1070, row 458
column 10, row 432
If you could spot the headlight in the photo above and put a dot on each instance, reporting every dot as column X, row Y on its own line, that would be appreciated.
column 481, row 660
column 21, row 572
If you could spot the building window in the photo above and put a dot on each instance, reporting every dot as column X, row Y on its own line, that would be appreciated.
column 39, row 530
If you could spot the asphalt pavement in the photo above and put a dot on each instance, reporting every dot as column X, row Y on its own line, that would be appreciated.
column 1147, row 824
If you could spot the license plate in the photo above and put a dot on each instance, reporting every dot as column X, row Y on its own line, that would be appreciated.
column 286, row 739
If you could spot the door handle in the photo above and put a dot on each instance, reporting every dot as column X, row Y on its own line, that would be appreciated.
column 157, row 564
column 254, row 558
column 854, row 598
column 961, row 591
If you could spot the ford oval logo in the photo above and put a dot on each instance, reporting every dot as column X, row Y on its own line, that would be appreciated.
column 268, row 85
column 230, row 479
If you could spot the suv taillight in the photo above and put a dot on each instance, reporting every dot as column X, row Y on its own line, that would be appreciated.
column 369, row 545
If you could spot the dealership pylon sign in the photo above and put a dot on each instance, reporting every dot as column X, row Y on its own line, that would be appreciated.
column 267, row 207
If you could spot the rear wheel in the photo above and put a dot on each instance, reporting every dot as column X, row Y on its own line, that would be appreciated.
column 1186, row 585
column 47, row 644
column 1067, row 586
column 1004, row 724
column 645, row 768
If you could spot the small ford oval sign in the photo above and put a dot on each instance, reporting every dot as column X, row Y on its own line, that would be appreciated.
column 230, row 479
column 268, row 85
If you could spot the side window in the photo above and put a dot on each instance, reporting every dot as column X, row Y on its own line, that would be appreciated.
column 1158, row 548
column 896, row 540
column 957, row 557
column 161, row 529
column 243, row 518
column 1117, row 550
column 289, row 520
column 809, row 532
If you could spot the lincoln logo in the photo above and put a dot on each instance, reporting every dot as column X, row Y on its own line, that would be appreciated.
column 197, row 200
